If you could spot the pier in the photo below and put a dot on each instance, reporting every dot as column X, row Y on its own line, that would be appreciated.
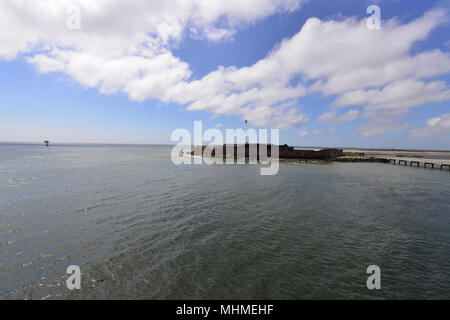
column 424, row 163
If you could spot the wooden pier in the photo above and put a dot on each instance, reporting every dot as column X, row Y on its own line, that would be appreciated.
column 424, row 163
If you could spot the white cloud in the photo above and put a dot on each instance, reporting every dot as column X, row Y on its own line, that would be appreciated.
column 317, row 132
column 126, row 46
column 438, row 125
column 399, row 96
column 328, row 117
column 349, row 116
column 216, row 34
column 379, row 125
column 376, row 71
column 387, row 106
column 119, row 28
column 137, row 76
column 347, row 56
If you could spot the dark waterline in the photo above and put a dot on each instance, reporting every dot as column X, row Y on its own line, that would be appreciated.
column 141, row 227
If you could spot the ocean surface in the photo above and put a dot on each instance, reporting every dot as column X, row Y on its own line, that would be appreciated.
column 140, row 227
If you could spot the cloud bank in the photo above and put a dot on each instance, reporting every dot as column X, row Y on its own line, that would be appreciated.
column 126, row 46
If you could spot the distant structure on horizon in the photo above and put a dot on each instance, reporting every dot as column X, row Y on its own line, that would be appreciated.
column 47, row 143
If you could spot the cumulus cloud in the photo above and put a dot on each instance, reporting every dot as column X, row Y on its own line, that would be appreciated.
column 380, row 124
column 375, row 70
column 438, row 125
column 126, row 46
column 387, row 106
column 352, row 57
column 137, row 76
column 117, row 27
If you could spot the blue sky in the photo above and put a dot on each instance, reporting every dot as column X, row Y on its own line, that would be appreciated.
column 75, row 85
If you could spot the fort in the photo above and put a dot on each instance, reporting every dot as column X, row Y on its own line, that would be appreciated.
column 252, row 151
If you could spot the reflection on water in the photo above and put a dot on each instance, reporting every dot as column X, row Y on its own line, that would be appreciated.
column 140, row 227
